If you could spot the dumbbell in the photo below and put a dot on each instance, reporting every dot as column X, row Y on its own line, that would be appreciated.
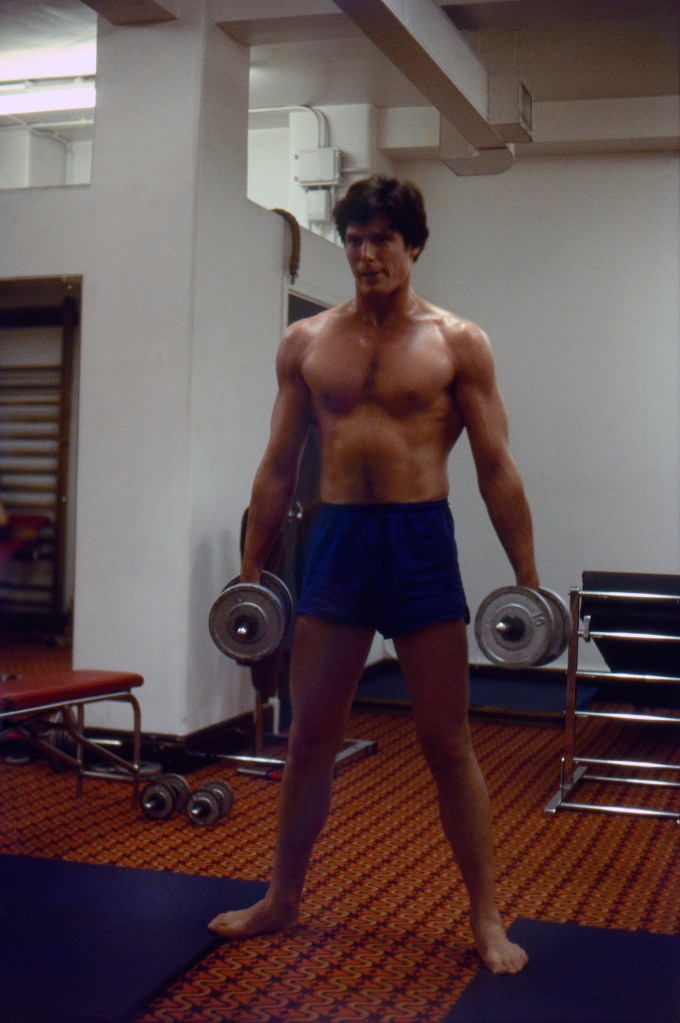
column 248, row 620
column 207, row 805
column 162, row 797
column 518, row 627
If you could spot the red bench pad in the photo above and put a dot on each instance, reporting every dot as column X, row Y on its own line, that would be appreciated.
column 61, row 687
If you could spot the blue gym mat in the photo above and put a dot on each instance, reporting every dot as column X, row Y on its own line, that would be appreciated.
column 579, row 975
column 85, row 943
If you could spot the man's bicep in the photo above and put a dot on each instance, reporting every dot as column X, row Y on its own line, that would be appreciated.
column 481, row 403
column 290, row 415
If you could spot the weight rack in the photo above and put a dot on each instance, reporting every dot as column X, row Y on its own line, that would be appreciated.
column 633, row 629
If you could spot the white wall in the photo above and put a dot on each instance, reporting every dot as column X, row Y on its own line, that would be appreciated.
column 572, row 266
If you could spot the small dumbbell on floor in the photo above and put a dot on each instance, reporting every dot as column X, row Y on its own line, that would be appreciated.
column 517, row 627
column 172, row 794
column 210, row 803
column 164, row 796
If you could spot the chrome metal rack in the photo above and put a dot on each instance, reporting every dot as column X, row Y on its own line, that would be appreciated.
column 634, row 621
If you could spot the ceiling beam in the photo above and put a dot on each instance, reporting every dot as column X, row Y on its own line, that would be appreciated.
column 421, row 41
column 627, row 125
column 134, row 12
column 266, row 22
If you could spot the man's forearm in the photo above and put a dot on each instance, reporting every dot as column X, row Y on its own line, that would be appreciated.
column 511, row 518
column 269, row 506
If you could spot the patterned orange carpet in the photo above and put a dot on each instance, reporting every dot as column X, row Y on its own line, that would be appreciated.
column 384, row 935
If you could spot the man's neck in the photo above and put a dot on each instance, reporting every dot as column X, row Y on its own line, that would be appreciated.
column 378, row 309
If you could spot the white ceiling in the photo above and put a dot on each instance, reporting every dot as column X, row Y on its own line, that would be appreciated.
column 33, row 31
column 565, row 50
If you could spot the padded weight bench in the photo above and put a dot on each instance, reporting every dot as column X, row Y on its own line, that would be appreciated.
column 26, row 702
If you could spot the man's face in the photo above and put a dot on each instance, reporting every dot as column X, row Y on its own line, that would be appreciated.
column 378, row 256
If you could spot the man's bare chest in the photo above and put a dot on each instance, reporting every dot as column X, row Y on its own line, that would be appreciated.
column 400, row 377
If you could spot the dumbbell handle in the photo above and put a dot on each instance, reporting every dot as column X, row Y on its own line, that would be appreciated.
column 153, row 802
column 511, row 628
column 199, row 808
column 245, row 627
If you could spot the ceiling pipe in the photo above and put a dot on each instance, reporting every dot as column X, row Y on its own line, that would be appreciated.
column 418, row 38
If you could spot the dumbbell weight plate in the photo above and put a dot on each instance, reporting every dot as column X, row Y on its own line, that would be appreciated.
column 248, row 620
column 180, row 787
column 158, row 800
column 514, row 627
column 225, row 793
column 561, row 624
column 204, row 807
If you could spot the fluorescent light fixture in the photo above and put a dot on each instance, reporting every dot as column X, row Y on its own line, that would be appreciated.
column 33, row 98
column 79, row 59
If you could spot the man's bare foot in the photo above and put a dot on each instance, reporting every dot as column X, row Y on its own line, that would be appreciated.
column 497, row 951
column 262, row 918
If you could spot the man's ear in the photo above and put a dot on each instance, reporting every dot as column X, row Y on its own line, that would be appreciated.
column 415, row 252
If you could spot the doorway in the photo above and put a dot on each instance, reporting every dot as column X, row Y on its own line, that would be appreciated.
column 39, row 347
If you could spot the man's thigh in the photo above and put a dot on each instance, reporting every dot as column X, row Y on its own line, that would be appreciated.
column 327, row 660
column 434, row 662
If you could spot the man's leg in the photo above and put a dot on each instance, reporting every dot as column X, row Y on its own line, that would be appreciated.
column 326, row 664
column 434, row 661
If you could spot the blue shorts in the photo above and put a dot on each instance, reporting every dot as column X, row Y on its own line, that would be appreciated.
column 392, row 567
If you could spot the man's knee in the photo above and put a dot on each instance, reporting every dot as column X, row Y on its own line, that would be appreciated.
column 447, row 755
column 313, row 748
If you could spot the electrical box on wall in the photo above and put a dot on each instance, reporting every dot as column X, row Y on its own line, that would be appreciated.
column 318, row 203
column 510, row 106
column 317, row 168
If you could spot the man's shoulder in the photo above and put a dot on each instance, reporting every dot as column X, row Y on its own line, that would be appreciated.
column 311, row 326
column 301, row 337
column 455, row 329
column 303, row 334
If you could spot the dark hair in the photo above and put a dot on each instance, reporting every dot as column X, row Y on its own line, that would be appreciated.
column 400, row 201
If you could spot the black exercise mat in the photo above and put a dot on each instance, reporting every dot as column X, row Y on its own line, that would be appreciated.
column 579, row 975
column 85, row 943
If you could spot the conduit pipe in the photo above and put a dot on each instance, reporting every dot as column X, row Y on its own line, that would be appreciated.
column 322, row 120
column 418, row 38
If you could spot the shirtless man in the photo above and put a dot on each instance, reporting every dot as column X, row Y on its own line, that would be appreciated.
column 390, row 382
